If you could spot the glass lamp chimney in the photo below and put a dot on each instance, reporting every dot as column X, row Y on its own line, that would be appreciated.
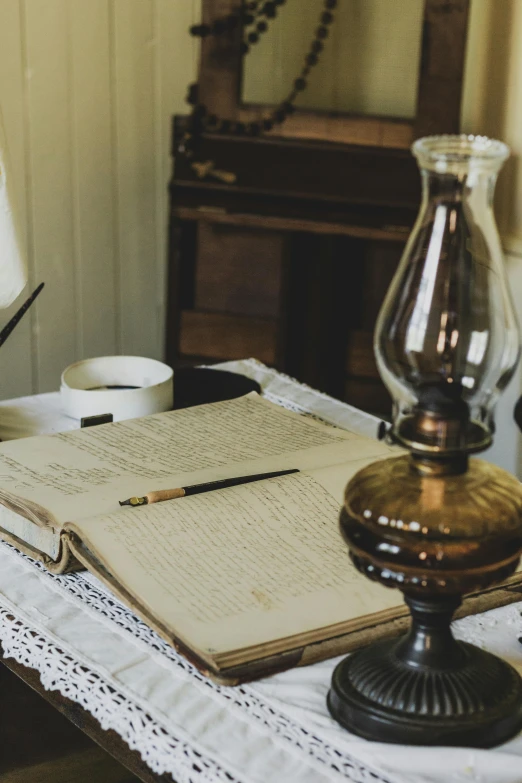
column 447, row 339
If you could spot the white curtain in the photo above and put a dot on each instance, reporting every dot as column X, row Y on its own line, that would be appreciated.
column 13, row 267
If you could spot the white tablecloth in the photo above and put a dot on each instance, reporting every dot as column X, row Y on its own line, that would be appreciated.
column 88, row 646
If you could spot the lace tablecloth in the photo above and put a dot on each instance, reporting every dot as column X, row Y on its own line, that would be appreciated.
column 88, row 646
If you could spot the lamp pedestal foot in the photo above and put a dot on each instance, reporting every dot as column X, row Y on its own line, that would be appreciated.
column 427, row 688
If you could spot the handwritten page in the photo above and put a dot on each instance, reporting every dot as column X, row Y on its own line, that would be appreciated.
column 78, row 474
column 242, row 566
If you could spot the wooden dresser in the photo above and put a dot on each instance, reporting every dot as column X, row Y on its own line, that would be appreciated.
column 291, row 262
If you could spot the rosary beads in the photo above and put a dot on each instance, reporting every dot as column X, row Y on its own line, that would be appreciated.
column 254, row 17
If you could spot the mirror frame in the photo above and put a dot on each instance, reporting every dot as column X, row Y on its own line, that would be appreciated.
column 444, row 32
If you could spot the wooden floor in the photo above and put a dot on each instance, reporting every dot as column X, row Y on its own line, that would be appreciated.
column 88, row 766
column 39, row 745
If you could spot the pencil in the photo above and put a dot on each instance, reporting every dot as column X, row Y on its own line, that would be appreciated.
column 195, row 489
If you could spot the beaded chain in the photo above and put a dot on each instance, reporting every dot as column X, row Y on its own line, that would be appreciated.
column 255, row 17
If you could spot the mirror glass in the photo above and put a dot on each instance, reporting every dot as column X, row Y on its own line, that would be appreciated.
column 369, row 66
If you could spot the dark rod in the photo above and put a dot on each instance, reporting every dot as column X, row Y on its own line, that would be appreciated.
column 196, row 489
column 6, row 331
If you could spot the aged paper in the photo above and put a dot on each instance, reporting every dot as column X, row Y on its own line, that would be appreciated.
column 238, row 567
column 83, row 473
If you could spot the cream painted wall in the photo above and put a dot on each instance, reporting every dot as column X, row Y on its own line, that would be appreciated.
column 369, row 65
column 87, row 89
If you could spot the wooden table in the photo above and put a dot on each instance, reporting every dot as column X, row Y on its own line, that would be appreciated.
column 21, row 724
column 82, row 642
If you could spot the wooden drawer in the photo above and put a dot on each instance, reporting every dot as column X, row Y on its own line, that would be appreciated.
column 360, row 359
column 223, row 336
column 368, row 395
column 238, row 270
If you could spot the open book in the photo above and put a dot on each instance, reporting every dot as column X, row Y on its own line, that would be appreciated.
column 244, row 580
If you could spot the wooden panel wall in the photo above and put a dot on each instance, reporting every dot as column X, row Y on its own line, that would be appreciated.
column 87, row 90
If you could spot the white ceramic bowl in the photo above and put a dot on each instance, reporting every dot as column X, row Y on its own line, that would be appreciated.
column 82, row 396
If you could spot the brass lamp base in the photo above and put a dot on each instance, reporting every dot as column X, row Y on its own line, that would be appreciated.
column 427, row 688
column 436, row 536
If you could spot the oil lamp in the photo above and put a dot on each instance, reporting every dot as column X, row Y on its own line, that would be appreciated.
column 433, row 522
